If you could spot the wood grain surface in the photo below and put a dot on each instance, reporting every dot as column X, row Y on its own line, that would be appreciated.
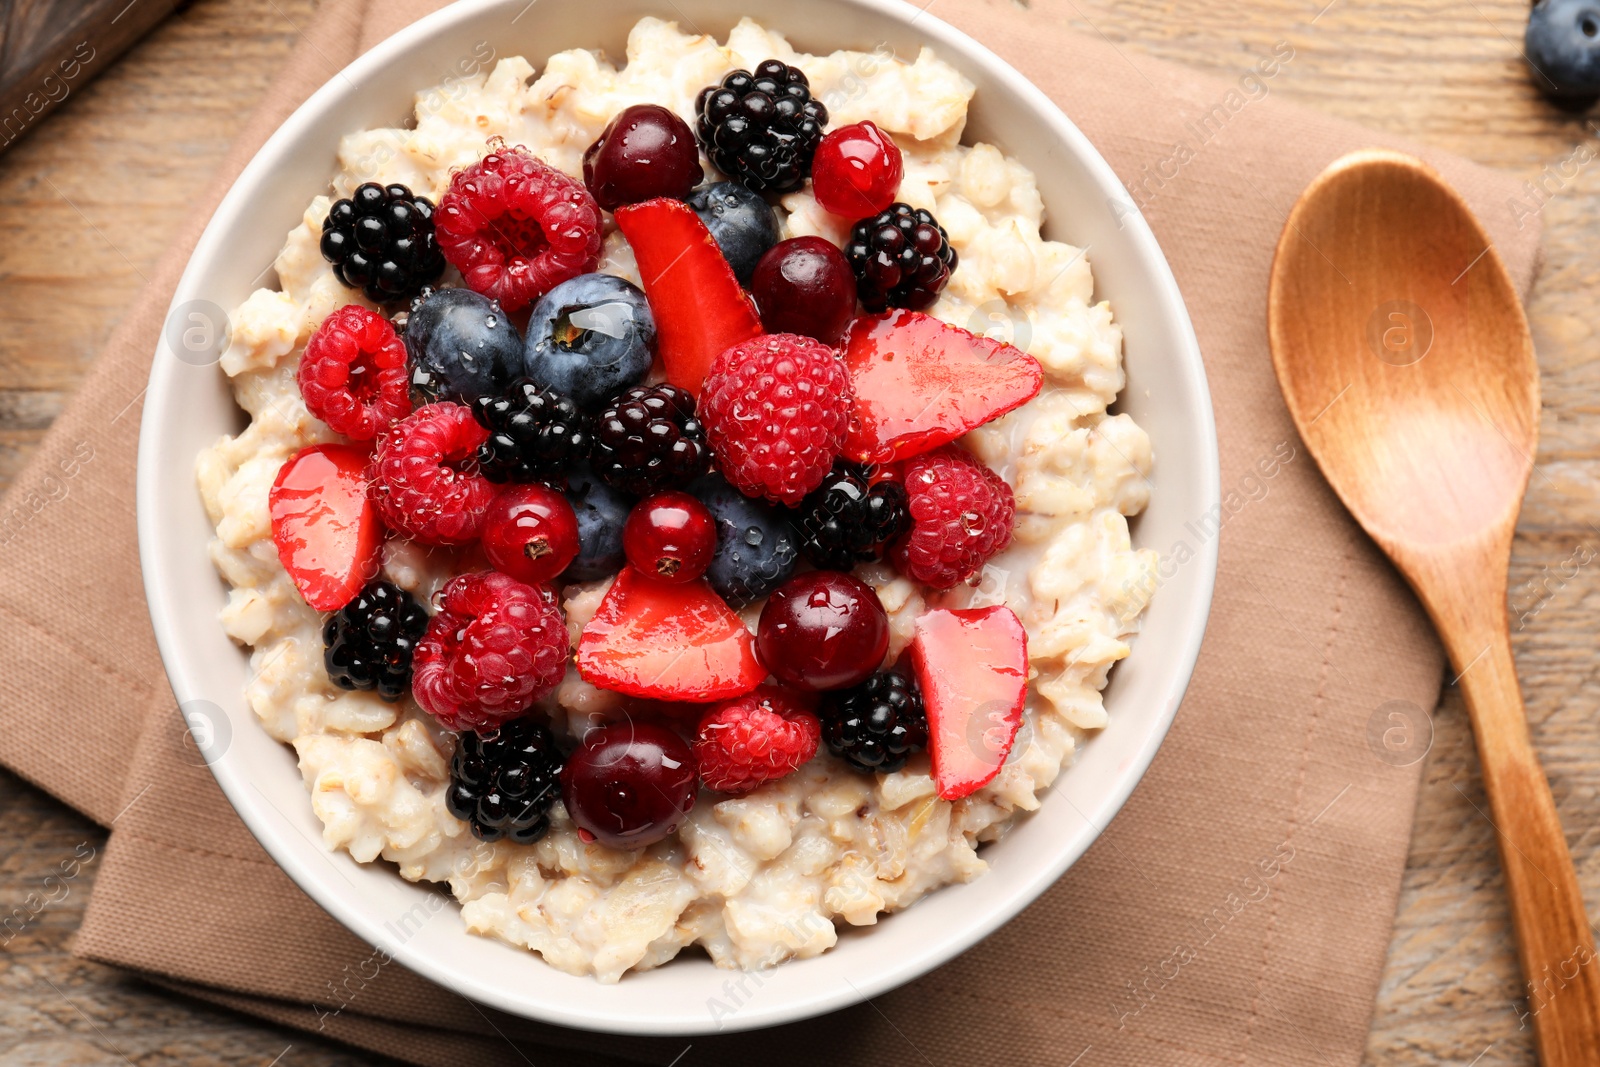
column 87, row 202
column 48, row 48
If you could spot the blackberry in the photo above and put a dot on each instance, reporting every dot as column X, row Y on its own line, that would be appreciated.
column 380, row 240
column 762, row 129
column 649, row 439
column 877, row 725
column 368, row 643
column 902, row 258
column 846, row 520
column 534, row 435
column 502, row 784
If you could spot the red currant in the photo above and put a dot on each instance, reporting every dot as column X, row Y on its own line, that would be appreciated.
column 805, row 285
column 670, row 536
column 647, row 151
column 857, row 171
column 629, row 784
column 530, row 533
column 823, row 630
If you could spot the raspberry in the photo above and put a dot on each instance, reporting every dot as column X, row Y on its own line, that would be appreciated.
column 494, row 648
column 424, row 476
column 353, row 374
column 961, row 514
column 776, row 409
column 753, row 739
column 516, row 227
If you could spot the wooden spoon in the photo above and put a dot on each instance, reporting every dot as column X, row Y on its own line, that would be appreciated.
column 1406, row 362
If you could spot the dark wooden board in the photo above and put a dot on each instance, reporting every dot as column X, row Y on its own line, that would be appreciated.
column 50, row 49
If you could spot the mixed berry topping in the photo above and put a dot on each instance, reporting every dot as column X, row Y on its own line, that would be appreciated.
column 741, row 222
column 460, row 346
column 756, row 545
column 368, row 643
column 762, row 129
column 495, row 647
column 670, row 537
column 516, row 227
column 325, row 525
column 750, row 740
column 857, row 171
column 877, row 725
column 645, row 152
column 695, row 298
column 535, row 435
column 425, row 479
column 823, row 630
column 629, row 784
column 961, row 514
column 902, row 258
column 776, row 409
column 601, row 512
column 353, row 374
column 590, row 338
column 850, row 518
column 380, row 239
column 637, row 642
column 530, row 532
column 804, row 285
column 650, row 439
column 690, row 441
column 502, row 785
column 972, row 667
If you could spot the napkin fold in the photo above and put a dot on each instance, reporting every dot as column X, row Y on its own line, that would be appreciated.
column 1237, row 910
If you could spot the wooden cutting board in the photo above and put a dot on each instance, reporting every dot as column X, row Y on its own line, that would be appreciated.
column 49, row 49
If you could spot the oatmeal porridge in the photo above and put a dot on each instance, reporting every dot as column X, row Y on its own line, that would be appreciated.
column 771, row 857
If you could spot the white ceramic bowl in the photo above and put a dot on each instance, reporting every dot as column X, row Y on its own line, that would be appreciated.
column 189, row 406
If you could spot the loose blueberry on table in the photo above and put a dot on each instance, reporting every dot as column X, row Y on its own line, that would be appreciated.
column 691, row 443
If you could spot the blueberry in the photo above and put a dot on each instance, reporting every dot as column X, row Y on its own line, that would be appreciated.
column 756, row 547
column 590, row 338
column 601, row 512
column 1563, row 48
column 742, row 223
column 460, row 346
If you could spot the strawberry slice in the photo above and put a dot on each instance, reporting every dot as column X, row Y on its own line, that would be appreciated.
column 667, row 642
column 327, row 531
column 695, row 298
column 920, row 383
column 972, row 666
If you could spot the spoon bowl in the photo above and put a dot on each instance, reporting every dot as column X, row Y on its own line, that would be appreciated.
column 1418, row 325
column 1406, row 363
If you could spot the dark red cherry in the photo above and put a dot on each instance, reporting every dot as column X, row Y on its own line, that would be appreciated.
column 823, row 630
column 629, row 784
column 805, row 285
column 645, row 152
column 670, row 536
column 530, row 533
column 857, row 171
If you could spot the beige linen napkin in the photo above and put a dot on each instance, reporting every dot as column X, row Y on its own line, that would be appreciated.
column 1238, row 909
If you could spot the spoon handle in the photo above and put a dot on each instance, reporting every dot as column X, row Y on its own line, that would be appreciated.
column 1554, row 941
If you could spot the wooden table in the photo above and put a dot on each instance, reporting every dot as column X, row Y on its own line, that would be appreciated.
column 87, row 202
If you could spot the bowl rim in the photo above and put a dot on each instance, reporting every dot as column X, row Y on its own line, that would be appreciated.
column 960, row 49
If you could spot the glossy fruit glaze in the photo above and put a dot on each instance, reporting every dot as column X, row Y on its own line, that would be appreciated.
column 326, row 529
